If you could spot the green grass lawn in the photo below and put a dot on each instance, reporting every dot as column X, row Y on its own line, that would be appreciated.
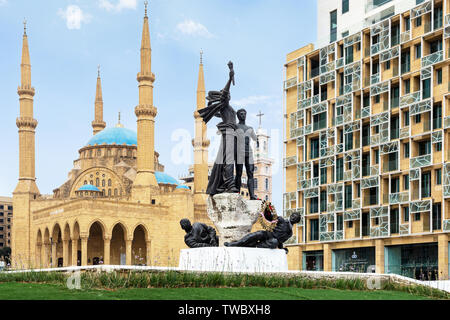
column 32, row 291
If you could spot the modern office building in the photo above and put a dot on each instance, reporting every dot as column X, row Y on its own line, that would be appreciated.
column 367, row 160
column 6, row 217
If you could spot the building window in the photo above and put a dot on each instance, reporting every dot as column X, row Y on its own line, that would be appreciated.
column 437, row 216
column 426, row 185
column 348, row 197
column 437, row 116
column 407, row 86
column 438, row 146
column 323, row 201
column 333, row 26
column 418, row 50
column 339, row 169
column 345, row 6
column 438, row 173
column 350, row 224
column 406, row 214
column 387, row 65
column 406, row 117
column 256, row 183
column 406, row 182
column 439, row 76
column 267, row 184
column 314, row 205
column 314, row 148
column 314, row 233
column 377, row 158
column 417, row 216
column 406, row 149
column 418, row 22
column 418, row 118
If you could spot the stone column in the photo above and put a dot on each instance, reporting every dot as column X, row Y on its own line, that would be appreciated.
column 54, row 262
column 327, row 263
column 443, row 257
column 84, row 243
column 107, row 250
column 128, row 252
column 38, row 255
column 65, row 253
column 46, row 256
column 149, row 252
column 379, row 256
column 74, row 252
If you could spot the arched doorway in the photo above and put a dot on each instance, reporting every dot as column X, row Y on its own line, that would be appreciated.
column 139, row 246
column 95, row 244
column 118, row 245
column 56, row 247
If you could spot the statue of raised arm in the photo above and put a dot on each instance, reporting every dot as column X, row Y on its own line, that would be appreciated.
column 222, row 174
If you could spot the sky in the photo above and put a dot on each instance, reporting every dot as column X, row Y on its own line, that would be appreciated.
column 68, row 39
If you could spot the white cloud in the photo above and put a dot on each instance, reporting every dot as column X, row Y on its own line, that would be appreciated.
column 118, row 6
column 3, row 2
column 74, row 16
column 192, row 28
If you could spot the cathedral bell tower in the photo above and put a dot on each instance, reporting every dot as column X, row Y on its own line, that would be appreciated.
column 26, row 189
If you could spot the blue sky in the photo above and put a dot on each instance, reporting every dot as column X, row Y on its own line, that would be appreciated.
column 69, row 38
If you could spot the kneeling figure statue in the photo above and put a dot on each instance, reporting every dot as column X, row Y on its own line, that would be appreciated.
column 269, row 239
column 199, row 235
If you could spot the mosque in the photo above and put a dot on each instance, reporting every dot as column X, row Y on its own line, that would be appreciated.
column 118, row 206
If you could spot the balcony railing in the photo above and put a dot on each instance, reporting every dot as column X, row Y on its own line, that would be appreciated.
column 375, row 78
column 289, row 83
column 432, row 58
column 400, row 197
column 404, row 132
column 410, row 98
column 405, row 36
column 421, row 161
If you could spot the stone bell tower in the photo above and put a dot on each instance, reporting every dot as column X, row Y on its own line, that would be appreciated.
column 26, row 189
column 145, row 185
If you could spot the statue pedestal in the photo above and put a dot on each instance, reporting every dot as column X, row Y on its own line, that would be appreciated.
column 233, row 259
column 232, row 215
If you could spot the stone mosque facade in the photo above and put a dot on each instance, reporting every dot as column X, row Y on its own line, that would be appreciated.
column 117, row 205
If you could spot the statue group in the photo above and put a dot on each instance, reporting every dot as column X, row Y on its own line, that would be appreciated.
column 234, row 153
column 235, row 150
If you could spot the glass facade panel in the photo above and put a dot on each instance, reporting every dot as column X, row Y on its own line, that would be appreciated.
column 353, row 260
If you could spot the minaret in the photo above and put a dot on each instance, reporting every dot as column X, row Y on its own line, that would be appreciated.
column 145, row 184
column 98, row 124
column 200, row 142
column 26, row 189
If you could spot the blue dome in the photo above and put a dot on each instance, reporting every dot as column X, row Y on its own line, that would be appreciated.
column 116, row 135
column 163, row 178
column 88, row 187
column 182, row 187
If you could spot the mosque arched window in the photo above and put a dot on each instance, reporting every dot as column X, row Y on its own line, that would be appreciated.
column 109, row 182
column 91, row 182
column 85, row 182
column 103, row 182
column 267, row 184
column 109, row 192
column 97, row 182
column 116, row 193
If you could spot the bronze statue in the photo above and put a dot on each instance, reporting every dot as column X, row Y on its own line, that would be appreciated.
column 222, row 174
column 244, row 154
column 266, row 239
column 199, row 235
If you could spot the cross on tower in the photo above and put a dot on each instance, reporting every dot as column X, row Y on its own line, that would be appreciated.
column 260, row 116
